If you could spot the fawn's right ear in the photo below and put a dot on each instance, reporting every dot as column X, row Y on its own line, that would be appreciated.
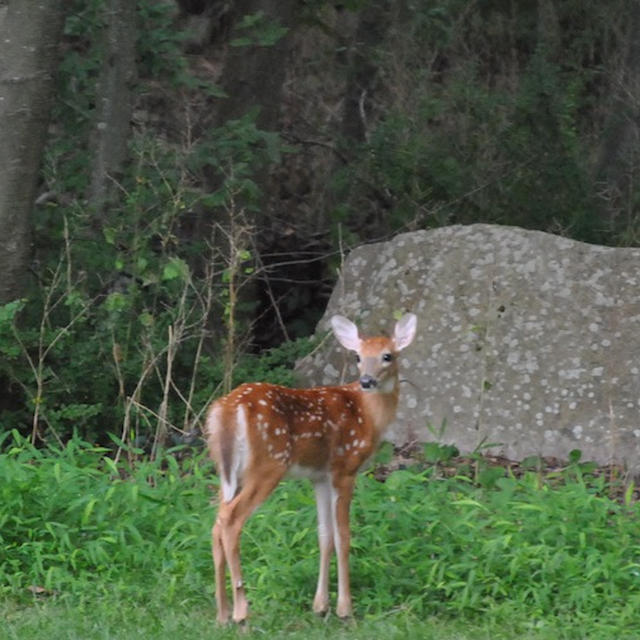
column 405, row 331
column 346, row 332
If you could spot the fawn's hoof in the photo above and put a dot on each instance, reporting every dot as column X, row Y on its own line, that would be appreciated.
column 344, row 612
column 222, row 618
column 321, row 607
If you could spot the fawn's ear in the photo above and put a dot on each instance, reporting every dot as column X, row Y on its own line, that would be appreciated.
column 405, row 331
column 346, row 332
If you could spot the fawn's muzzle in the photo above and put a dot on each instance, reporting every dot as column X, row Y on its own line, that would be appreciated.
column 367, row 382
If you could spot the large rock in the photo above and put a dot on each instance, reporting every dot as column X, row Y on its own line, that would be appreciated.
column 526, row 341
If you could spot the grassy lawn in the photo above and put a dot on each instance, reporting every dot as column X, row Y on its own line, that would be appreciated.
column 113, row 619
column 88, row 550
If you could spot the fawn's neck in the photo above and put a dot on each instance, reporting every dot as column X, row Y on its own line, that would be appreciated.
column 380, row 407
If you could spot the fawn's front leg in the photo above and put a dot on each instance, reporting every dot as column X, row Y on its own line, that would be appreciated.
column 325, row 543
column 342, row 491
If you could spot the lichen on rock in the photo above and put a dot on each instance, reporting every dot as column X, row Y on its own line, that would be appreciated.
column 526, row 341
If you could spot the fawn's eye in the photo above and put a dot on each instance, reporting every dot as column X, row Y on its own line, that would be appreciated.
column 387, row 357
column 357, row 358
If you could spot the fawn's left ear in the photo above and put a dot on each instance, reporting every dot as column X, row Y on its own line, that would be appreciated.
column 346, row 332
column 405, row 331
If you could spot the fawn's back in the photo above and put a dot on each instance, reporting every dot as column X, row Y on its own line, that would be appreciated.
column 308, row 431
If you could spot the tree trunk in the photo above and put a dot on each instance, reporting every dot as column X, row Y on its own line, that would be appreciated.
column 549, row 37
column 114, row 100
column 374, row 22
column 253, row 75
column 618, row 154
column 253, row 78
column 361, row 100
column 29, row 36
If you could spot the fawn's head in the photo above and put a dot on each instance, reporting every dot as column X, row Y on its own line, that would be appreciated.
column 376, row 357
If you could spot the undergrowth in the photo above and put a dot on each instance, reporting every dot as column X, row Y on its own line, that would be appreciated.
column 124, row 551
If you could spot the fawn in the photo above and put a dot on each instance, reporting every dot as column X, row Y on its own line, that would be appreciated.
column 259, row 432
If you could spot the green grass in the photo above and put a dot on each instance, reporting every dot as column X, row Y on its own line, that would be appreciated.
column 122, row 620
column 88, row 550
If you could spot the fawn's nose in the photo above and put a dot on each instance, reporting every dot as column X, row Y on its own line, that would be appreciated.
column 368, row 382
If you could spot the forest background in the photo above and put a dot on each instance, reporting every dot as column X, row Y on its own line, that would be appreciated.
column 179, row 181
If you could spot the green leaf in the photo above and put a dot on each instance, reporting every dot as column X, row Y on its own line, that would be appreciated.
column 532, row 463
column 88, row 510
column 384, row 453
column 488, row 477
column 109, row 235
column 115, row 302
column 215, row 199
column 9, row 311
column 435, row 452
column 251, row 20
column 241, row 42
column 628, row 494
column 175, row 268
column 146, row 319
column 574, row 456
